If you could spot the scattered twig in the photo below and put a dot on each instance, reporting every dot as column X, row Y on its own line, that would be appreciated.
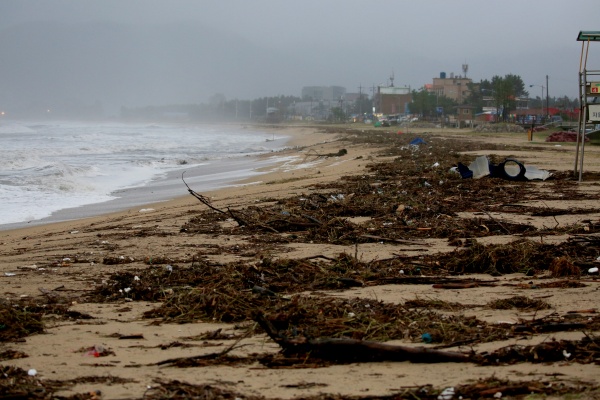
column 384, row 239
column 496, row 221
column 210, row 356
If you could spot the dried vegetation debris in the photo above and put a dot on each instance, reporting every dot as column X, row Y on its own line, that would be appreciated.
column 482, row 388
column 22, row 318
column 416, row 195
column 233, row 292
column 519, row 302
column 584, row 351
column 16, row 383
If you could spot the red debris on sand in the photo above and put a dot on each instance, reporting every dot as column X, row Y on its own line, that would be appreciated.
column 564, row 136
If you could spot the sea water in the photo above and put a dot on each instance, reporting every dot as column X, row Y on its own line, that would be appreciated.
column 53, row 166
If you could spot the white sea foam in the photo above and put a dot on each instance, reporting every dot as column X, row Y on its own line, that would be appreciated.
column 46, row 167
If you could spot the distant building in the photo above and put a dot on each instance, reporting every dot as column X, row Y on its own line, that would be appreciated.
column 464, row 116
column 323, row 93
column 392, row 100
column 352, row 97
column 455, row 88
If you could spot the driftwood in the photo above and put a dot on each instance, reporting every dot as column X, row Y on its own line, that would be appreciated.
column 351, row 350
column 466, row 285
column 549, row 327
column 206, row 201
column 437, row 280
column 203, row 199
column 313, row 153
column 243, row 220
column 384, row 239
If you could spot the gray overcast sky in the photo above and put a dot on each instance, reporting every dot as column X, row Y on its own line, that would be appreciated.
column 313, row 42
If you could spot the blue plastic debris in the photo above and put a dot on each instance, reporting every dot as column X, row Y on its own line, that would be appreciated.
column 417, row 141
column 426, row 337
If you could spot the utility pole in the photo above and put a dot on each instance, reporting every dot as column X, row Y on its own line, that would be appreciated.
column 547, row 97
column 360, row 99
column 373, row 90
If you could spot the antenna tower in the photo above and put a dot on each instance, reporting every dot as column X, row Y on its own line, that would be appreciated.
column 465, row 68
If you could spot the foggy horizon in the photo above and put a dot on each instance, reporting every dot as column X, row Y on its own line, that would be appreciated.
column 151, row 53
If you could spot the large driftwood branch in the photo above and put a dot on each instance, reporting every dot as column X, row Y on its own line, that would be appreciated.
column 313, row 153
column 206, row 201
column 351, row 350
column 203, row 199
column 237, row 216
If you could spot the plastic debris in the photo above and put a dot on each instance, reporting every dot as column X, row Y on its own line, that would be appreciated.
column 509, row 169
column 447, row 394
column 417, row 142
column 99, row 351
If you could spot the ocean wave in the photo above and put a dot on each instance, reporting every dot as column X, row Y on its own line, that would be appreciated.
column 71, row 164
column 14, row 129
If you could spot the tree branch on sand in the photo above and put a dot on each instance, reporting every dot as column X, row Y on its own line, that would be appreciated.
column 266, row 221
column 313, row 153
column 206, row 201
column 352, row 350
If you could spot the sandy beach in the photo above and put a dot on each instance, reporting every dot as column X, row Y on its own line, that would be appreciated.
column 114, row 350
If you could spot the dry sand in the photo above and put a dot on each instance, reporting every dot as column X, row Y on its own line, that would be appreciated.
column 35, row 258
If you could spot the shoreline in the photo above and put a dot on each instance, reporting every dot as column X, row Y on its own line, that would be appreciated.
column 214, row 176
column 259, row 169
column 286, row 166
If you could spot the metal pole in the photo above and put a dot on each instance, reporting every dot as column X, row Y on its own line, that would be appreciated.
column 581, row 66
column 542, row 101
column 547, row 97
column 582, row 144
column 579, row 124
column 584, row 105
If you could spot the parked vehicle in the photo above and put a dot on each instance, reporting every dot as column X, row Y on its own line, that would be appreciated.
column 393, row 119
